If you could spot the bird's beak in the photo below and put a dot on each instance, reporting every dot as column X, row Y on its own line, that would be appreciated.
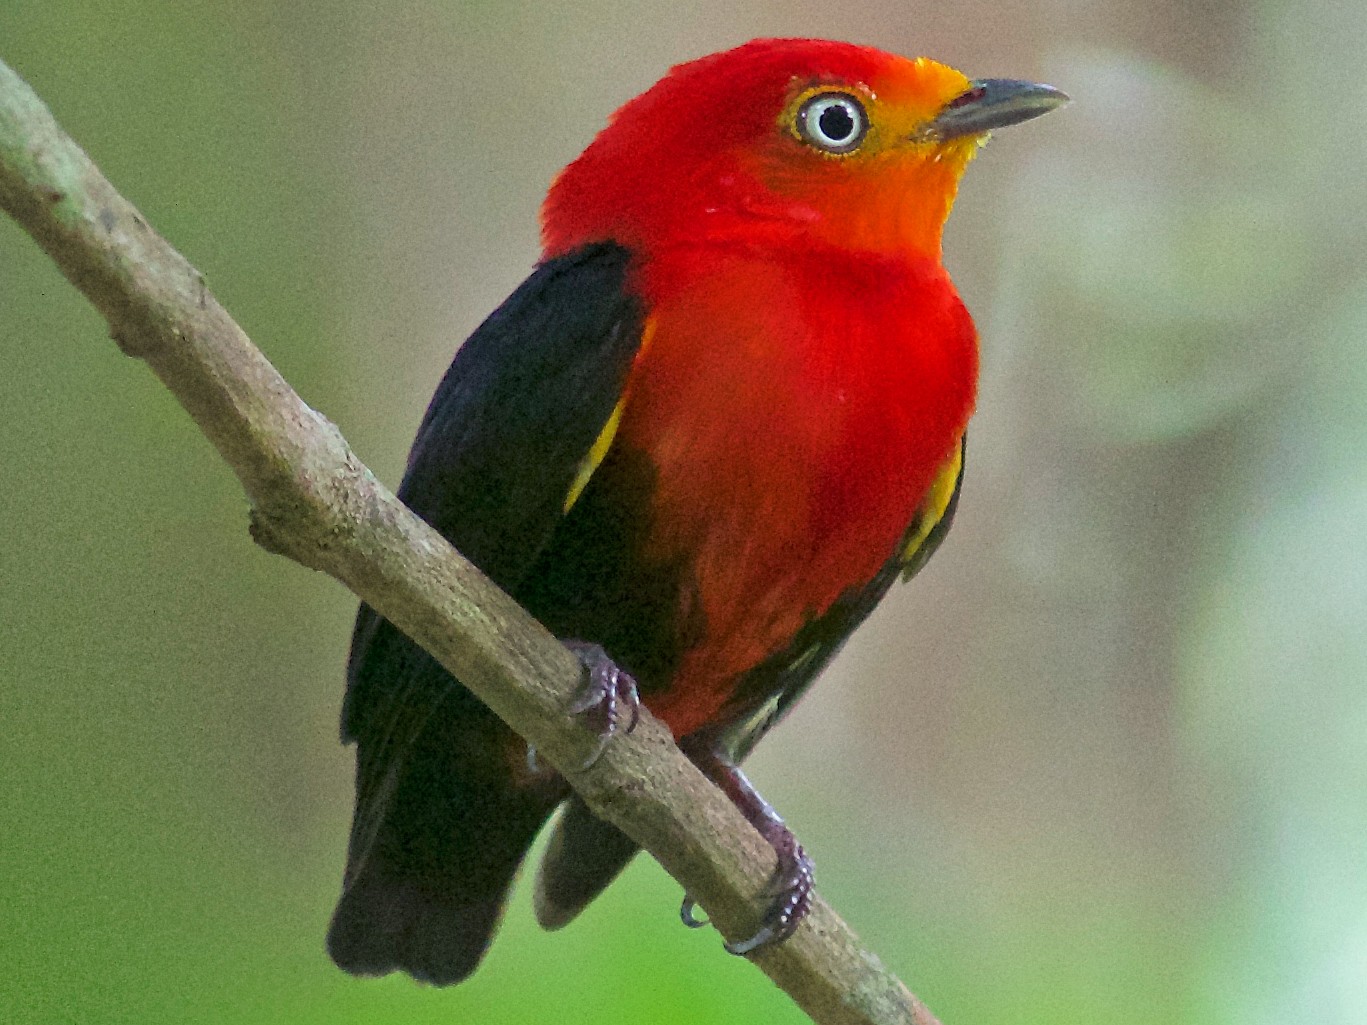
column 990, row 103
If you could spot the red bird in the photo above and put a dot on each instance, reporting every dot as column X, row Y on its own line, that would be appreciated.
column 700, row 442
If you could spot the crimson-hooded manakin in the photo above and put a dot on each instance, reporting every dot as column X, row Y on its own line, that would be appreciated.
column 722, row 416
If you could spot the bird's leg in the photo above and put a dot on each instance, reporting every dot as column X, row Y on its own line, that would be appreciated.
column 607, row 698
column 794, row 875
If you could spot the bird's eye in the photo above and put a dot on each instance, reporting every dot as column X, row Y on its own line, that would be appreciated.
column 834, row 122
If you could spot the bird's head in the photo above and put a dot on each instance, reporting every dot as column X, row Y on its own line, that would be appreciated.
column 781, row 139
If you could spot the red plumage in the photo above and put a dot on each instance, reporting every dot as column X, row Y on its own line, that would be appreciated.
column 721, row 418
column 796, row 407
column 810, row 366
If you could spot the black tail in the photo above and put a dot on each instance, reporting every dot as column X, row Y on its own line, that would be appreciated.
column 585, row 854
column 437, row 841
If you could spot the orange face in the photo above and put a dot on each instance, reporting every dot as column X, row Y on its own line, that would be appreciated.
column 858, row 155
column 776, row 139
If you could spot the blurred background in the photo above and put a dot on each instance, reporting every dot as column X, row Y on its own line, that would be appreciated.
column 1106, row 761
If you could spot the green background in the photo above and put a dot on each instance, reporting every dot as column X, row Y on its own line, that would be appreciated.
column 1105, row 762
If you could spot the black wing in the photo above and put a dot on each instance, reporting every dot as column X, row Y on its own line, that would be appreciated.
column 520, row 407
column 440, row 824
column 508, row 427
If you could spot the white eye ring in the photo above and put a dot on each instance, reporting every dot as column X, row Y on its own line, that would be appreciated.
column 834, row 122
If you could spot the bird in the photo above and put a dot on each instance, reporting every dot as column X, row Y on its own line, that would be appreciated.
column 723, row 415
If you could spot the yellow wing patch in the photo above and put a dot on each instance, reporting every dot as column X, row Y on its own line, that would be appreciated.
column 594, row 459
column 933, row 507
column 603, row 442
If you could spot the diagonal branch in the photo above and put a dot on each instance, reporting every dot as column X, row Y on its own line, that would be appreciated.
column 313, row 501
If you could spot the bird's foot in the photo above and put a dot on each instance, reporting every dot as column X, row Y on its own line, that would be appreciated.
column 790, row 888
column 608, row 697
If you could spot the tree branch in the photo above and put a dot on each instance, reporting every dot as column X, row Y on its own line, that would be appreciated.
column 313, row 501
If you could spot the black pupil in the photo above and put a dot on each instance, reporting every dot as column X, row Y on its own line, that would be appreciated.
column 836, row 122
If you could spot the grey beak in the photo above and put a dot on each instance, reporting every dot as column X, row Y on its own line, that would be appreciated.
column 991, row 103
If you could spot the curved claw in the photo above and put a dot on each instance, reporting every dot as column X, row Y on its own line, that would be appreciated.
column 606, row 688
column 791, row 887
column 765, row 935
column 686, row 914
